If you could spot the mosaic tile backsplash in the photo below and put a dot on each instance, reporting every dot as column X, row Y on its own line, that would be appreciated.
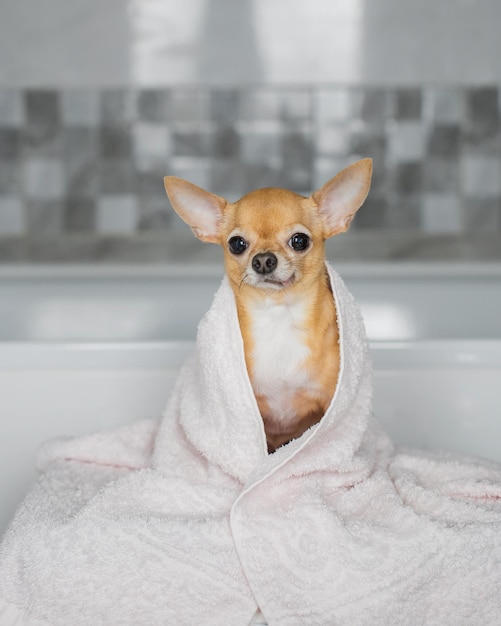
column 75, row 162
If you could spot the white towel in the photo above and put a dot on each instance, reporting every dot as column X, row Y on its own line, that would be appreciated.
column 195, row 524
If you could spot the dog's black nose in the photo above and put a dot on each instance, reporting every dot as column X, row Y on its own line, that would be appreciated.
column 264, row 263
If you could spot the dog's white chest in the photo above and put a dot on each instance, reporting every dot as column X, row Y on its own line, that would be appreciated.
column 279, row 354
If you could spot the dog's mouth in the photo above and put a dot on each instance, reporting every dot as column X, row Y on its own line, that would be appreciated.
column 280, row 284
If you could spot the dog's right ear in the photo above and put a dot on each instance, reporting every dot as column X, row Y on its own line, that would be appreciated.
column 200, row 209
column 340, row 198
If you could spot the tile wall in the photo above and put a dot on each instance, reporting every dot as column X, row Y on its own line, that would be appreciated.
column 89, row 163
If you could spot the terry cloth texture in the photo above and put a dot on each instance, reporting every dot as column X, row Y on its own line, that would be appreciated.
column 190, row 521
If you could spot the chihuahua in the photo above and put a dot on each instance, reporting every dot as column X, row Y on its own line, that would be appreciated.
column 274, row 257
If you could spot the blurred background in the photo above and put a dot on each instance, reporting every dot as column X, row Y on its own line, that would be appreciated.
column 100, row 100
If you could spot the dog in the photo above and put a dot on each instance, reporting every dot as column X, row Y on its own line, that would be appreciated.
column 274, row 258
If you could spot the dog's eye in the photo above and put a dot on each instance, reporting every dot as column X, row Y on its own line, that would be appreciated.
column 237, row 245
column 299, row 241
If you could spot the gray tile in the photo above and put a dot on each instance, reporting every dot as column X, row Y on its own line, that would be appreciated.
column 42, row 108
column 115, row 142
column 192, row 141
column 226, row 142
column 297, row 151
column 118, row 107
column 155, row 214
column 42, row 142
column 409, row 178
column 441, row 213
column 296, row 104
column 233, row 179
column 79, row 140
column 224, row 106
column 403, row 212
column 80, row 107
column 43, row 179
column 14, row 250
column 12, row 114
column 443, row 105
column 298, row 179
column 79, row 215
column 375, row 106
column 117, row 176
column 441, row 175
column 42, row 133
column 369, row 144
column 257, row 176
column 82, row 177
column 408, row 104
column 275, row 104
column 10, row 177
column 371, row 215
column 481, row 141
column 189, row 105
column 12, row 218
column 150, row 185
column 381, row 179
column 81, row 161
column 482, row 104
column 117, row 214
column 481, row 127
column 10, row 143
column 229, row 178
column 56, row 249
column 482, row 215
column 45, row 217
column 153, row 105
column 259, row 104
column 444, row 141
column 261, row 147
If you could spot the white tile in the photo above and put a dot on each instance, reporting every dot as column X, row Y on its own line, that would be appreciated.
column 117, row 215
column 332, row 140
column 196, row 170
column 443, row 105
column 333, row 105
column 11, row 108
column 406, row 141
column 441, row 213
column 326, row 168
column 152, row 142
column 43, row 179
column 12, row 220
column 258, row 147
column 480, row 176
column 80, row 108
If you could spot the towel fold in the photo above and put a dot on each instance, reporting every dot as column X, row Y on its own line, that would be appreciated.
column 190, row 521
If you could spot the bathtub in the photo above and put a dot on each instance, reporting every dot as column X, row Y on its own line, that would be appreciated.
column 90, row 348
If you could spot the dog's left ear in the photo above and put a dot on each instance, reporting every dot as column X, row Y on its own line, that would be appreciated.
column 340, row 198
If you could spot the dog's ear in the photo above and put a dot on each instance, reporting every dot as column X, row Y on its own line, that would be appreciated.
column 200, row 209
column 340, row 198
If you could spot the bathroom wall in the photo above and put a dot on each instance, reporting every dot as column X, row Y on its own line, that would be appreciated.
column 98, row 101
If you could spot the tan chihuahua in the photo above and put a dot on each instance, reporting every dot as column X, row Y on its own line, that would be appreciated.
column 273, row 242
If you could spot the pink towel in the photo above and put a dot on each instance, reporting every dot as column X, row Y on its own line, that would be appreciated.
column 191, row 521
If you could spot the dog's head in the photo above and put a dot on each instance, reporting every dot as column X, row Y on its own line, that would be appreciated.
column 273, row 238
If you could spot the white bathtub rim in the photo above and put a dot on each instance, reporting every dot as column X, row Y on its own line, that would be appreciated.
column 194, row 269
column 443, row 353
